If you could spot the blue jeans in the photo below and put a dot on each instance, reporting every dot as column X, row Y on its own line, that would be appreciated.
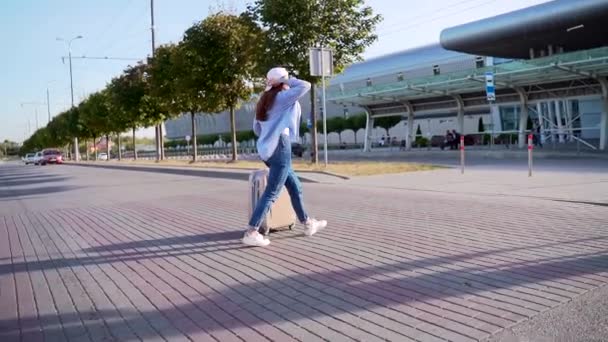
column 281, row 173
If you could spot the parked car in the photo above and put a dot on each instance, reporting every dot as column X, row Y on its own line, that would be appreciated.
column 29, row 158
column 51, row 156
column 37, row 158
column 102, row 156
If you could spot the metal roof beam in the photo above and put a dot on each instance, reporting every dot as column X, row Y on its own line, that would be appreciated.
column 499, row 83
column 428, row 91
column 575, row 71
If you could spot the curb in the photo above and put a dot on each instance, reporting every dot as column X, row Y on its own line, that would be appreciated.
column 190, row 166
column 221, row 173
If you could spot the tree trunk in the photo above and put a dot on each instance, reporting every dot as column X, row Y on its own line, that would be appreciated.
column 194, row 143
column 108, row 146
column 86, row 148
column 313, row 131
column 233, row 131
column 95, row 146
column 340, row 138
column 355, row 136
column 157, row 142
column 119, row 147
column 162, row 142
column 134, row 147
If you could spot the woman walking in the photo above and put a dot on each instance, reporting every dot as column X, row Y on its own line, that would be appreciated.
column 276, row 124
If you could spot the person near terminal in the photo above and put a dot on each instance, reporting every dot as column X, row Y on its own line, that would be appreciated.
column 456, row 139
column 276, row 124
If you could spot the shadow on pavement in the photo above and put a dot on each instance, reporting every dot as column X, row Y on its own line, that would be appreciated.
column 599, row 204
column 26, row 192
column 33, row 180
column 24, row 177
column 167, row 242
column 312, row 295
column 18, row 181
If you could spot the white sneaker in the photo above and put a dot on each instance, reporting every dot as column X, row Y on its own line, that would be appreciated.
column 313, row 226
column 255, row 239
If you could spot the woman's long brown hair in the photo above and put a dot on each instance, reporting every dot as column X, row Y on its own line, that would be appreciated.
column 266, row 102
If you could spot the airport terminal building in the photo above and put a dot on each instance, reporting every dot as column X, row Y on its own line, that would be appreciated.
column 549, row 64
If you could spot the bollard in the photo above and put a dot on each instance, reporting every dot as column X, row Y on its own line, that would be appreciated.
column 530, row 148
column 462, row 154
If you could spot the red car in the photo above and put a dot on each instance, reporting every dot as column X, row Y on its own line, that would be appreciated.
column 51, row 156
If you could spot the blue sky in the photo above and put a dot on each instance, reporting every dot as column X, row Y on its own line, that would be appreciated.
column 31, row 56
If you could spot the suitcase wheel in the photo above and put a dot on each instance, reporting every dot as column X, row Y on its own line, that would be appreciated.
column 263, row 231
column 291, row 226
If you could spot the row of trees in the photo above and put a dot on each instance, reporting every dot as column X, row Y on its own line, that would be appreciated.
column 220, row 62
column 8, row 148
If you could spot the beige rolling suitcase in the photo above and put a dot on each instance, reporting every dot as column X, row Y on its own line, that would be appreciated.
column 281, row 215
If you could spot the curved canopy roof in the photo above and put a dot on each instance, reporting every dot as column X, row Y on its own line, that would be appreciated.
column 519, row 73
column 570, row 24
column 398, row 61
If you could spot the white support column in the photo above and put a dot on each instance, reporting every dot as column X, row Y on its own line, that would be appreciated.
column 558, row 118
column 523, row 117
column 410, row 125
column 551, row 119
column 604, row 118
column 460, row 115
column 569, row 124
column 369, row 126
column 539, row 111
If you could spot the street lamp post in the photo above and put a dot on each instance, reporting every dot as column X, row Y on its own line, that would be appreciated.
column 48, row 105
column 48, row 101
column 22, row 104
column 69, row 43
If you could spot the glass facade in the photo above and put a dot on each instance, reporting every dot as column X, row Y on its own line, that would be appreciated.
column 590, row 118
column 509, row 117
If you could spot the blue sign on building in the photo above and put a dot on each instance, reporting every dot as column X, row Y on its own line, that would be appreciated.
column 490, row 89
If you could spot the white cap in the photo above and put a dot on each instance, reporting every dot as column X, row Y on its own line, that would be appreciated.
column 274, row 76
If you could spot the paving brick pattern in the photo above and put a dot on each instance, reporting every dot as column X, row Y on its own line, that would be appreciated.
column 393, row 265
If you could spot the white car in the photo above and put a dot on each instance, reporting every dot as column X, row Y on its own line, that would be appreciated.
column 102, row 156
column 37, row 158
column 29, row 158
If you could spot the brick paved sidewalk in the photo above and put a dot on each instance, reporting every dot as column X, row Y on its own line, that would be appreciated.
column 392, row 265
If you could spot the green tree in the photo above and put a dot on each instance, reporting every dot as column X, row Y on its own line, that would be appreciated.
column 387, row 122
column 292, row 27
column 76, row 128
column 125, row 96
column 9, row 148
column 225, row 47
column 161, row 99
column 303, row 129
column 184, row 82
column 355, row 123
column 336, row 125
column 58, row 130
column 96, row 115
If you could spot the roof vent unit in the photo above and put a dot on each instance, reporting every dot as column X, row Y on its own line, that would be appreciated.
column 480, row 62
column 368, row 82
column 400, row 77
column 436, row 70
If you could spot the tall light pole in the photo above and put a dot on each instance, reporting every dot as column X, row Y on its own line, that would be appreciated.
column 158, row 129
column 69, row 44
column 48, row 101
column 36, row 104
